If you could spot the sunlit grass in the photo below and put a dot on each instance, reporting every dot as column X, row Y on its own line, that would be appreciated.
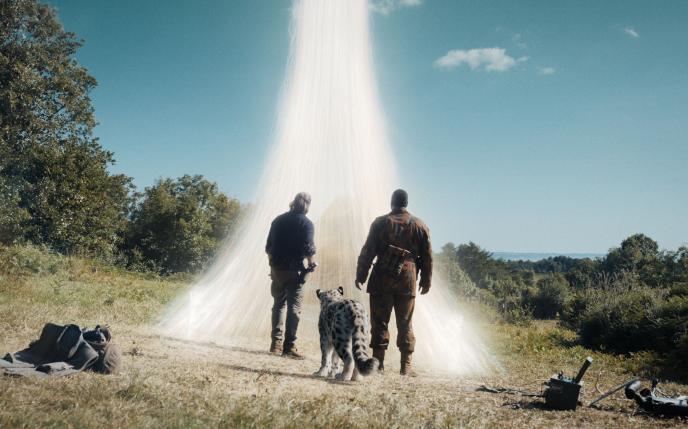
column 169, row 383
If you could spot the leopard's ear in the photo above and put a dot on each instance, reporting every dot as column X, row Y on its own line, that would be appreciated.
column 317, row 293
column 341, row 290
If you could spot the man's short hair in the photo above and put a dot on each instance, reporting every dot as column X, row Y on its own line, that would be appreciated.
column 301, row 202
column 399, row 199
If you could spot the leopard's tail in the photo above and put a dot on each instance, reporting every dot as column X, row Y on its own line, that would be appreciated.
column 364, row 363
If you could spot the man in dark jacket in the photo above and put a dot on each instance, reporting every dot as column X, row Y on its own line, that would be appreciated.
column 401, row 244
column 290, row 241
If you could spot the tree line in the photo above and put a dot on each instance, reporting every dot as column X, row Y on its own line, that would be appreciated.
column 634, row 298
column 56, row 187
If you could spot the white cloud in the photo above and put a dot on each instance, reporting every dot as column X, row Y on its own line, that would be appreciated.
column 546, row 71
column 490, row 59
column 631, row 32
column 385, row 7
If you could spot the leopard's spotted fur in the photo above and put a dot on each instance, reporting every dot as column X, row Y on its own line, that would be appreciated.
column 343, row 326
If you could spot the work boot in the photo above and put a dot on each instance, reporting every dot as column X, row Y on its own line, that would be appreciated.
column 379, row 354
column 276, row 346
column 293, row 353
column 406, row 368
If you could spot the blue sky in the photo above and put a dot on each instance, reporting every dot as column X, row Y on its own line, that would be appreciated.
column 523, row 126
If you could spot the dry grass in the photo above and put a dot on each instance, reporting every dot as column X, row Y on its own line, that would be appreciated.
column 169, row 383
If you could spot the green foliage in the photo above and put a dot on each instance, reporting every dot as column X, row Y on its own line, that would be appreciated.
column 476, row 275
column 16, row 261
column 582, row 273
column 619, row 321
column 475, row 261
column 55, row 187
column 450, row 270
column 634, row 299
column 621, row 314
column 509, row 294
column 640, row 254
column 551, row 295
column 178, row 225
column 676, row 266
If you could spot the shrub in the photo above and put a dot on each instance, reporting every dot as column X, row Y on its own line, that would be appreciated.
column 179, row 225
column 619, row 322
column 28, row 260
column 459, row 282
column 552, row 293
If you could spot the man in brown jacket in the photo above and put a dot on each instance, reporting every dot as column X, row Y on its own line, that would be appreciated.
column 401, row 244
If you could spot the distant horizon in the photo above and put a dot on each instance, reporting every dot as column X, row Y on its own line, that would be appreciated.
column 536, row 256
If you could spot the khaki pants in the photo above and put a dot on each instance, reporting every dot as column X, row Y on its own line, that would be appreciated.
column 381, row 307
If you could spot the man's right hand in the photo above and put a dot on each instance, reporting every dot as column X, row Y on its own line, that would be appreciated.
column 424, row 290
column 359, row 285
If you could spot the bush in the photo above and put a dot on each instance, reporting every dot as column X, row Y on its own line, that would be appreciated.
column 509, row 294
column 178, row 225
column 459, row 282
column 682, row 344
column 28, row 260
column 552, row 293
column 620, row 322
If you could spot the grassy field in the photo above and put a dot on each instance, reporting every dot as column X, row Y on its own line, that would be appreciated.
column 171, row 383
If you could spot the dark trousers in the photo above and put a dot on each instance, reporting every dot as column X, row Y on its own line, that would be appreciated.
column 381, row 307
column 286, row 292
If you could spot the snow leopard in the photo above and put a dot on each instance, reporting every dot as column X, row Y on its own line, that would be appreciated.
column 343, row 326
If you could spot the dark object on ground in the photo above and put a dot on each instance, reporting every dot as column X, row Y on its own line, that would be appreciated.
column 508, row 390
column 562, row 392
column 64, row 350
column 613, row 390
column 656, row 404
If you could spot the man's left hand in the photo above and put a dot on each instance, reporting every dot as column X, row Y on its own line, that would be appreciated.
column 424, row 290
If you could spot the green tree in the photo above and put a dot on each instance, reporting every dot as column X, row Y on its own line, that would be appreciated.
column 552, row 293
column 448, row 266
column 639, row 254
column 582, row 274
column 178, row 225
column 55, row 187
column 475, row 261
column 676, row 266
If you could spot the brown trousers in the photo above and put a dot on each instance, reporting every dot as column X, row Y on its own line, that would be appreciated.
column 381, row 306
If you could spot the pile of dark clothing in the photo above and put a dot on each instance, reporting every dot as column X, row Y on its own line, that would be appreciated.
column 64, row 350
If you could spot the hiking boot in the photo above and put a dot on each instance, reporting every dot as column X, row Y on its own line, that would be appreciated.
column 406, row 368
column 293, row 353
column 379, row 354
column 276, row 346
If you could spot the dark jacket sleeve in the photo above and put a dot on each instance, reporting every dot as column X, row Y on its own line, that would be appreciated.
column 268, row 243
column 309, row 242
column 368, row 252
column 425, row 258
